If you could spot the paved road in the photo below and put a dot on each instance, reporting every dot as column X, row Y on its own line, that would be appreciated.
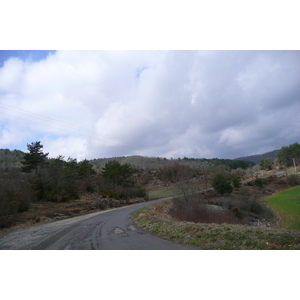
column 108, row 230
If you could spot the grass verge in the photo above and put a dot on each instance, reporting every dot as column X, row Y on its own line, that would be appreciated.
column 214, row 236
column 287, row 204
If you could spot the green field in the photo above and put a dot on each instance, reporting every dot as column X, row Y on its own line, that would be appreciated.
column 162, row 193
column 287, row 204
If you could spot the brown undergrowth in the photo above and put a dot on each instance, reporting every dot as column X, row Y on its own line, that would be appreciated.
column 211, row 236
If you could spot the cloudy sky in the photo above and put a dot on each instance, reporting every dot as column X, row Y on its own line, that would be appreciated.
column 92, row 104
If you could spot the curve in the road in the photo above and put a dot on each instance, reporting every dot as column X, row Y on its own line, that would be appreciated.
column 108, row 230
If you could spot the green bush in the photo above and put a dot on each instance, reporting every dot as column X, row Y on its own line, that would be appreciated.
column 236, row 181
column 117, row 174
column 221, row 184
column 52, row 184
column 259, row 182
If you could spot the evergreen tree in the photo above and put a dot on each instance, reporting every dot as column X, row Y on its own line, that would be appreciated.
column 221, row 184
column 236, row 181
column 266, row 163
column 117, row 174
column 85, row 168
column 34, row 158
column 286, row 154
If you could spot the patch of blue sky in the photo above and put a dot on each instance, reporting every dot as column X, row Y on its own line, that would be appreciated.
column 139, row 71
column 52, row 136
column 32, row 55
column 19, row 146
column 34, row 137
column 3, row 123
column 28, row 138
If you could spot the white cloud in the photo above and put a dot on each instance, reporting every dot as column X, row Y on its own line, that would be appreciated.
column 11, row 75
column 155, row 103
column 71, row 146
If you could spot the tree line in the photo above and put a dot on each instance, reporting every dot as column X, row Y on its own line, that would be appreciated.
column 288, row 155
column 58, row 179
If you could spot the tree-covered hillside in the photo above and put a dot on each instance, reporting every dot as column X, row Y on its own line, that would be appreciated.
column 257, row 157
column 161, row 162
column 13, row 159
column 10, row 159
column 289, row 155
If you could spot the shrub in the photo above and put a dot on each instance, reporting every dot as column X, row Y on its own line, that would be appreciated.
column 244, row 191
column 52, row 184
column 15, row 197
column 117, row 174
column 236, row 181
column 247, row 208
column 199, row 212
column 221, row 184
column 293, row 179
column 259, row 182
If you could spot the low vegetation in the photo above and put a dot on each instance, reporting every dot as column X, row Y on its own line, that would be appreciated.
column 213, row 236
column 245, row 208
column 245, row 219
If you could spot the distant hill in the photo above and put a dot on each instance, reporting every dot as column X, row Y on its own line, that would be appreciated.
column 257, row 157
column 136, row 160
column 12, row 159
column 161, row 162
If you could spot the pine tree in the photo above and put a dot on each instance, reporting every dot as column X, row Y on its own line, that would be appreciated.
column 221, row 184
column 117, row 174
column 34, row 158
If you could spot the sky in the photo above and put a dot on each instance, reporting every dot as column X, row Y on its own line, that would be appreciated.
column 205, row 104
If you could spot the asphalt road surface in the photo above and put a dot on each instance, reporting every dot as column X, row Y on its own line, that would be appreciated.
column 107, row 230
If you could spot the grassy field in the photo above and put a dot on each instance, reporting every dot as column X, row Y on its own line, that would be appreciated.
column 287, row 204
column 157, row 194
